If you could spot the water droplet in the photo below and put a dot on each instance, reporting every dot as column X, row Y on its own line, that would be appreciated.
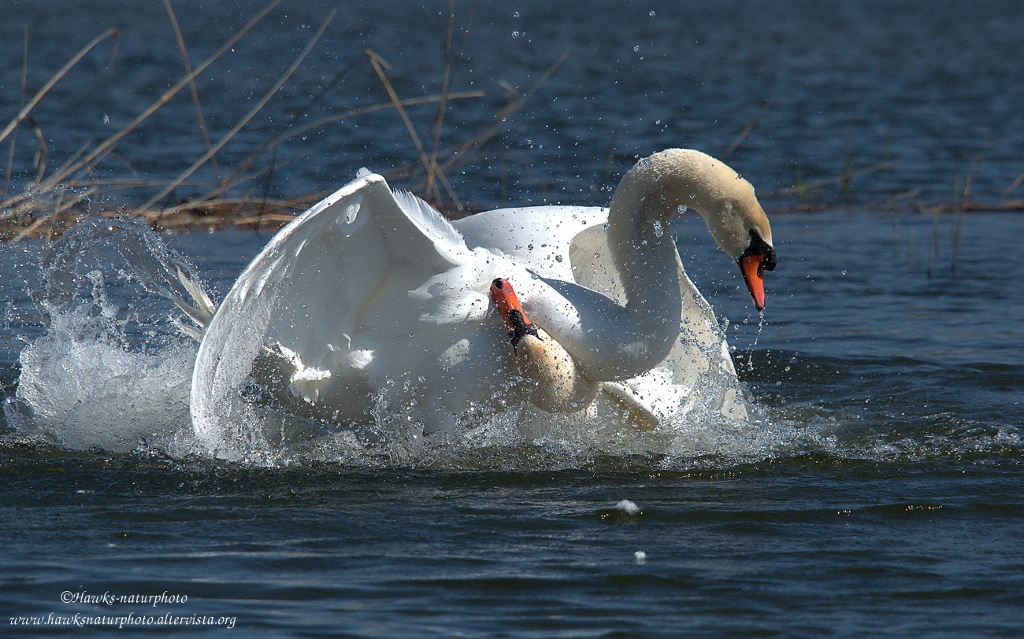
column 682, row 208
column 652, row 14
column 636, row 48
column 351, row 212
column 658, row 229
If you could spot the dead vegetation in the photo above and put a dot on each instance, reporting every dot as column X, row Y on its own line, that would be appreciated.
column 55, row 197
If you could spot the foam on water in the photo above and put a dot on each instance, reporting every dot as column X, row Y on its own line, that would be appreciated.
column 110, row 372
column 103, row 376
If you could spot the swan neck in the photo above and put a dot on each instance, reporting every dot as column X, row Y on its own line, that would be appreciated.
column 639, row 231
column 668, row 183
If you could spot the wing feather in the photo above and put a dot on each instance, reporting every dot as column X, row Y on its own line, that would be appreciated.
column 330, row 287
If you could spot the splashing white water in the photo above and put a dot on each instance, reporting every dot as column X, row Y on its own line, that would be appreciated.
column 83, row 388
column 110, row 372
column 102, row 376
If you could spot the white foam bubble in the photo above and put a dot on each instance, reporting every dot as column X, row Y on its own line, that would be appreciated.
column 627, row 507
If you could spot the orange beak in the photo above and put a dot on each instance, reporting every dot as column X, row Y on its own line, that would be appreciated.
column 752, row 267
column 505, row 298
column 511, row 311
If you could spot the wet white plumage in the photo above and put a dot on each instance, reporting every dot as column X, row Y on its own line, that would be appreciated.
column 372, row 291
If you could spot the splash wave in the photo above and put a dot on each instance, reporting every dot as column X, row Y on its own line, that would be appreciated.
column 110, row 372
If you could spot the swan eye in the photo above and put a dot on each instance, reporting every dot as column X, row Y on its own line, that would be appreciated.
column 759, row 247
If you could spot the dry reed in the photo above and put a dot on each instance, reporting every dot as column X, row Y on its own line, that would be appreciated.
column 55, row 197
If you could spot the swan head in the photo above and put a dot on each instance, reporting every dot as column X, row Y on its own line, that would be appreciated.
column 557, row 385
column 511, row 311
column 674, row 180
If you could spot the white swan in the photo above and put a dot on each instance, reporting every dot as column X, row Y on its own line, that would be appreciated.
column 371, row 292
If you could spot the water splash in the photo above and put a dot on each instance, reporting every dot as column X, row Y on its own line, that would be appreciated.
column 753, row 344
column 104, row 376
column 110, row 372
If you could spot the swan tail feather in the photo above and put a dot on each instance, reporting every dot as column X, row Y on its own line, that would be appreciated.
column 199, row 307
column 635, row 414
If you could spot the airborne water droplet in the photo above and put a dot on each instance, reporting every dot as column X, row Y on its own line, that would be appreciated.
column 760, row 327
column 658, row 229
column 351, row 212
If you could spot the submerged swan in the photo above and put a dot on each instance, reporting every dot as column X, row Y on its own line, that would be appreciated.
column 372, row 291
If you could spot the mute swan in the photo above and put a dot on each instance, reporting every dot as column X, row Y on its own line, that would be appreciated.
column 558, row 385
column 372, row 291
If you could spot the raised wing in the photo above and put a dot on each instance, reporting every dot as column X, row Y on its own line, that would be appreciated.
column 323, row 294
column 540, row 237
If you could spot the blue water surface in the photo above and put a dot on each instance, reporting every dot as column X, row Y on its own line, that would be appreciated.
column 880, row 494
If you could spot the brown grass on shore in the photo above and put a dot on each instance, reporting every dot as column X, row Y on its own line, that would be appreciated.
column 55, row 198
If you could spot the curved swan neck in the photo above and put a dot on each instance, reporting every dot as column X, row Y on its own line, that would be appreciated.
column 639, row 218
column 672, row 181
column 614, row 342
column 659, row 186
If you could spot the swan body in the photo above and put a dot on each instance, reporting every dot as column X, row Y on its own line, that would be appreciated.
column 559, row 386
column 372, row 293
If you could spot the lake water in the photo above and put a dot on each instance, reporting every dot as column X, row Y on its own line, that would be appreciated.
column 877, row 493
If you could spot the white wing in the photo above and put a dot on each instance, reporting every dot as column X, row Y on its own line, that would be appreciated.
column 540, row 237
column 326, row 294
